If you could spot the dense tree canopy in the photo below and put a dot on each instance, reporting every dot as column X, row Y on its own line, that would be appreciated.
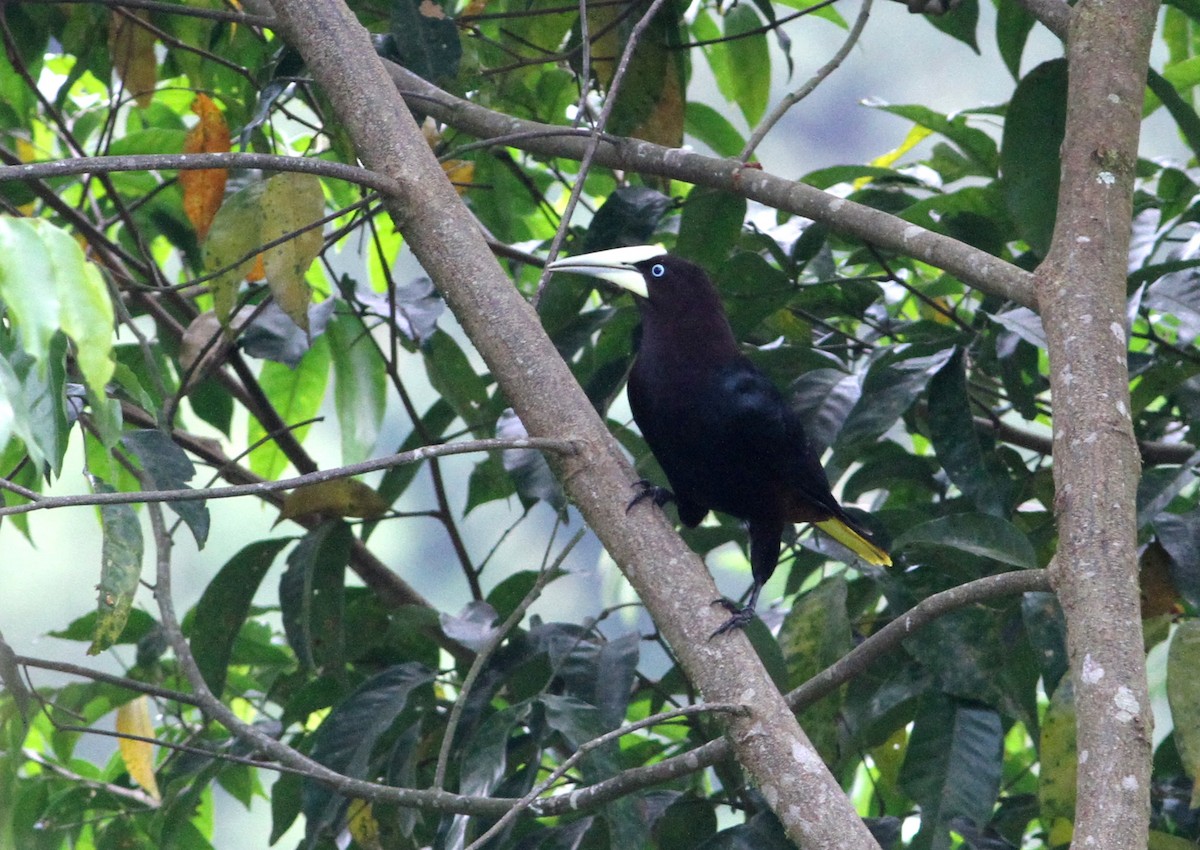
column 211, row 217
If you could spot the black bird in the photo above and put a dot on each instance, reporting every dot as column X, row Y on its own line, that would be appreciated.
column 722, row 432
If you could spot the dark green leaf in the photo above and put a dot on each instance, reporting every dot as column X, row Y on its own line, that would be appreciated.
column 346, row 740
column 137, row 626
column 815, row 634
column 892, row 385
column 424, row 40
column 747, row 81
column 224, row 606
column 1029, row 158
column 952, row 767
column 713, row 129
column 957, row 443
column 120, row 569
column 455, row 379
column 1013, row 25
column 169, row 468
column 710, row 226
column 979, row 534
column 12, row 682
column 359, row 386
column 975, row 144
column 824, row 398
column 1047, row 632
column 1182, row 111
column 959, row 22
column 1179, row 534
column 311, row 596
column 684, row 824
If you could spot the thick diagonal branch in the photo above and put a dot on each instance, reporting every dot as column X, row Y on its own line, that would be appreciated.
column 668, row 577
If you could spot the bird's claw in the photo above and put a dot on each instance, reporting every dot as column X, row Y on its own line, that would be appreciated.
column 648, row 490
column 741, row 616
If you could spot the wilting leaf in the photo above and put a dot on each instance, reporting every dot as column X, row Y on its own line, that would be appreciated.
column 203, row 190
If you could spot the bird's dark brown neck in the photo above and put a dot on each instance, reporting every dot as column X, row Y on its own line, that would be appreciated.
column 698, row 332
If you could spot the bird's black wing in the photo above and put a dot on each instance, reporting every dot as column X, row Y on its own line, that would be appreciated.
column 770, row 463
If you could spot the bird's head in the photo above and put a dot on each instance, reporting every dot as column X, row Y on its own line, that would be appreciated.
column 645, row 270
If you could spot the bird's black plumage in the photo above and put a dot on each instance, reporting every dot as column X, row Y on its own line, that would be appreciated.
column 721, row 431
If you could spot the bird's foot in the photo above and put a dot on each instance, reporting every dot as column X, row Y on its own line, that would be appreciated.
column 741, row 616
column 648, row 490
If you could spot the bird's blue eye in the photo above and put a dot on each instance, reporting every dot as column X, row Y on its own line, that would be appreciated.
column 658, row 270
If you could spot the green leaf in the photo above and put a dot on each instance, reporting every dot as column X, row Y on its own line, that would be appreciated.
column 741, row 66
column 455, row 379
column 425, row 40
column 824, row 399
column 224, row 606
column 137, row 626
column 816, row 633
column 1179, row 535
column 346, row 740
column 959, row 22
column 120, row 569
column 891, row 386
column 1046, row 629
column 979, row 534
column 957, row 443
column 25, row 269
column 1059, row 758
column 712, row 128
column 685, row 824
column 169, row 468
column 1013, row 25
column 710, row 226
column 297, row 395
column 1029, row 152
column 47, row 285
column 290, row 202
column 1167, row 91
column 1183, row 695
column 359, row 386
column 312, row 596
column 952, row 767
column 978, row 147
column 235, row 233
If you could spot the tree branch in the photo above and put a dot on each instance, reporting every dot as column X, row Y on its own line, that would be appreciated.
column 670, row 579
column 261, row 487
column 1081, row 288
column 972, row 266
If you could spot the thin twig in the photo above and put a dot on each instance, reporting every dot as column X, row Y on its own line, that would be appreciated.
column 585, row 748
column 197, row 161
column 486, row 651
column 791, row 99
column 585, row 164
column 192, row 495
column 828, row 680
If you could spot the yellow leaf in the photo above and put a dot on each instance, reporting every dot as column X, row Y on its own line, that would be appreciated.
column 460, row 172
column 339, row 497
column 131, row 46
column 915, row 136
column 133, row 718
column 204, row 190
column 363, row 826
column 291, row 202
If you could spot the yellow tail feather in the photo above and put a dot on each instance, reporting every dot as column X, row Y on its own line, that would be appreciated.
column 855, row 542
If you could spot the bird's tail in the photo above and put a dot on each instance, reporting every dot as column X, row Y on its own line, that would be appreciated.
column 855, row 542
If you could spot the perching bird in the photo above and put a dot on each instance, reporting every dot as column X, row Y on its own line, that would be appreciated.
column 721, row 431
